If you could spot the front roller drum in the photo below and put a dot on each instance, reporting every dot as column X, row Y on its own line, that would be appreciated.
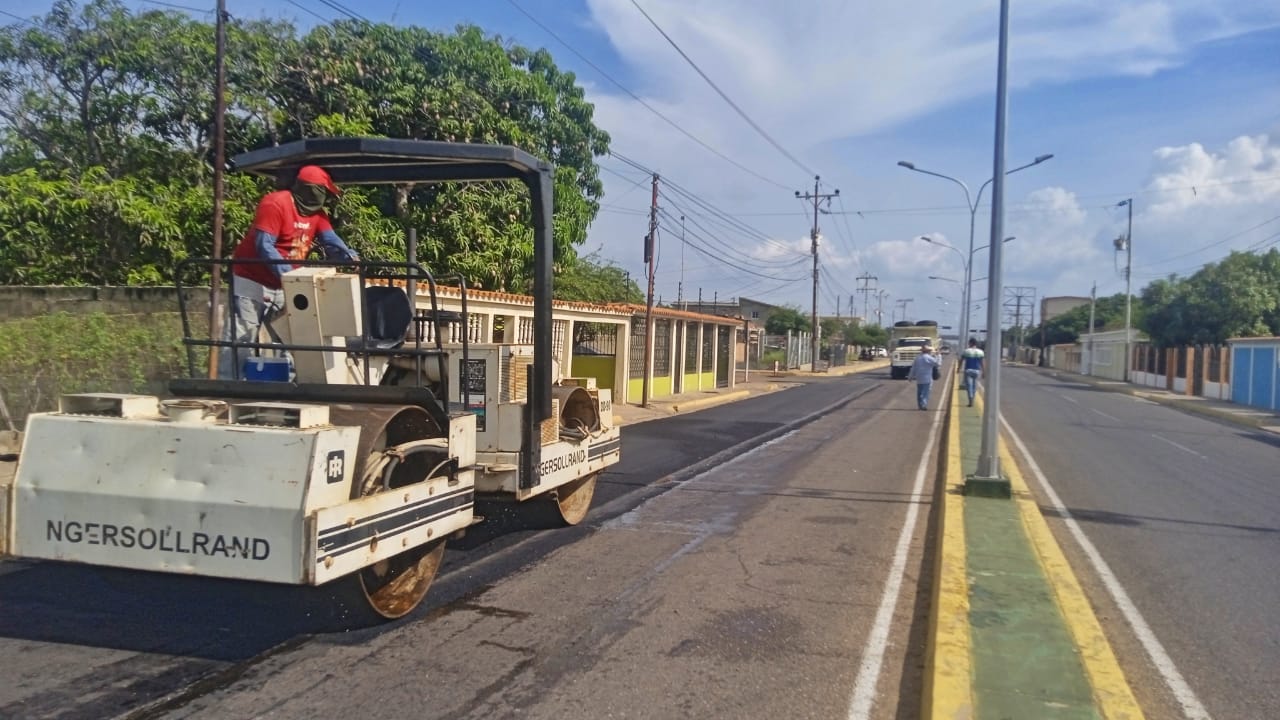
column 393, row 587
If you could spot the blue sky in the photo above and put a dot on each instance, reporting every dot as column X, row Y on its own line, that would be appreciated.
column 1175, row 103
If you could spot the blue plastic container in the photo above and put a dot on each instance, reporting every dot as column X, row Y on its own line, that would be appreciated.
column 266, row 369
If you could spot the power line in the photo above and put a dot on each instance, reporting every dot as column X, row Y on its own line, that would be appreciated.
column 723, row 218
column 727, row 246
column 692, row 240
column 1227, row 239
column 640, row 100
column 188, row 8
column 722, row 94
column 308, row 10
column 333, row 4
column 19, row 18
column 730, row 227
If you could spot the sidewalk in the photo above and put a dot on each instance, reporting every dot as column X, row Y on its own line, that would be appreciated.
column 759, row 382
column 1012, row 633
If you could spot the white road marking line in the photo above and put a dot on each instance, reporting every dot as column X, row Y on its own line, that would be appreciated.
column 1071, row 400
column 1180, row 446
column 864, row 687
column 1192, row 708
column 1109, row 417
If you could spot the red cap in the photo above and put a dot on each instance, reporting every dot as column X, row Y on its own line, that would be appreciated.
column 317, row 176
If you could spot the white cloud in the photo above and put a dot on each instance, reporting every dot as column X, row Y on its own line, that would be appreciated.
column 1190, row 177
column 839, row 69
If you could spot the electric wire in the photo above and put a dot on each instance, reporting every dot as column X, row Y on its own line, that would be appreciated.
column 723, row 217
column 308, row 10
column 692, row 214
column 642, row 102
column 693, row 241
column 726, row 245
column 1202, row 248
column 335, row 5
column 711, row 239
column 741, row 113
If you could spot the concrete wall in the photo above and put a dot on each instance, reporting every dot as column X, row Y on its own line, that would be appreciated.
column 22, row 302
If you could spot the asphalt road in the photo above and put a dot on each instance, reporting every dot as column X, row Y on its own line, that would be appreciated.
column 1186, row 512
column 102, row 643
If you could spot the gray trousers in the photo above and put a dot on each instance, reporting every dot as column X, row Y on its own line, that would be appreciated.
column 249, row 315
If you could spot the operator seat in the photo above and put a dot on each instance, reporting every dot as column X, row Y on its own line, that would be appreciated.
column 389, row 314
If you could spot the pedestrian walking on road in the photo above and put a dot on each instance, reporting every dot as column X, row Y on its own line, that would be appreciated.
column 972, row 362
column 924, row 371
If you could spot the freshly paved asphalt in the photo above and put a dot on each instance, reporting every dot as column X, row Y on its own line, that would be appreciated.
column 98, row 642
column 1186, row 511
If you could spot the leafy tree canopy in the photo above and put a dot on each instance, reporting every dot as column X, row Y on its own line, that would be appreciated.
column 103, row 110
column 591, row 279
column 1237, row 297
column 786, row 319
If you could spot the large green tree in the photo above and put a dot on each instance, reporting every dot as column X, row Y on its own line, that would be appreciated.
column 1067, row 327
column 787, row 319
column 1236, row 297
column 111, row 108
column 591, row 279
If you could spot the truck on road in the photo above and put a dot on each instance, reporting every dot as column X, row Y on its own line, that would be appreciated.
column 906, row 338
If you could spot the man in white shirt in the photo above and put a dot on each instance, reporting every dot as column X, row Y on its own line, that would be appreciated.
column 971, row 360
column 922, row 372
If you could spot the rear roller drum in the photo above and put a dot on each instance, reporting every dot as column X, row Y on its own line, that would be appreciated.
column 573, row 500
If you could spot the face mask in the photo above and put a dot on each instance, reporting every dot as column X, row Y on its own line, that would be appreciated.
column 310, row 199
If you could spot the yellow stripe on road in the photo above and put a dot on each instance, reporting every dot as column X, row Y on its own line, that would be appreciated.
column 1111, row 691
column 948, row 667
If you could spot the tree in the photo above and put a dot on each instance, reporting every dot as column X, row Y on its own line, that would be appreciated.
column 1067, row 327
column 787, row 319
column 113, row 107
column 590, row 279
column 1236, row 297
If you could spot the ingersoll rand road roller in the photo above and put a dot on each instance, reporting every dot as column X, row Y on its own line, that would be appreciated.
column 350, row 446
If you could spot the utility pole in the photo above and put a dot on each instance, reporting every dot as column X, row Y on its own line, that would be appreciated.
column 817, row 198
column 1044, row 357
column 1128, row 294
column 1093, row 303
column 904, row 302
column 219, row 162
column 1013, row 300
column 837, row 307
column 650, row 241
column 866, row 291
column 880, row 296
column 680, row 286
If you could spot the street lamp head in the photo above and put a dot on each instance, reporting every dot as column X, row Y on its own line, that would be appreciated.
column 907, row 165
column 1011, row 237
column 1122, row 203
column 797, row 193
column 1041, row 158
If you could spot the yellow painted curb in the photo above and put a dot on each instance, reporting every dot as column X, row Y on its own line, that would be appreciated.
column 1111, row 691
column 714, row 400
column 948, row 693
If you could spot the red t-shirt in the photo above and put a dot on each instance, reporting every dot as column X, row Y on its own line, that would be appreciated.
column 294, row 235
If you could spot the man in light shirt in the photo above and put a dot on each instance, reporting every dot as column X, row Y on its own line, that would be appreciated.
column 971, row 361
column 922, row 371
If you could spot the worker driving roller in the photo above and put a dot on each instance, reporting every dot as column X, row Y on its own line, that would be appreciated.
column 285, row 226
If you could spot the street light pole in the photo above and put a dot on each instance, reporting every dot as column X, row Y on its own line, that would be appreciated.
column 1128, row 295
column 973, row 212
column 988, row 455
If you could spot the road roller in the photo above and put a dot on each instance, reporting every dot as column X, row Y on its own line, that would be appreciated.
column 355, row 439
